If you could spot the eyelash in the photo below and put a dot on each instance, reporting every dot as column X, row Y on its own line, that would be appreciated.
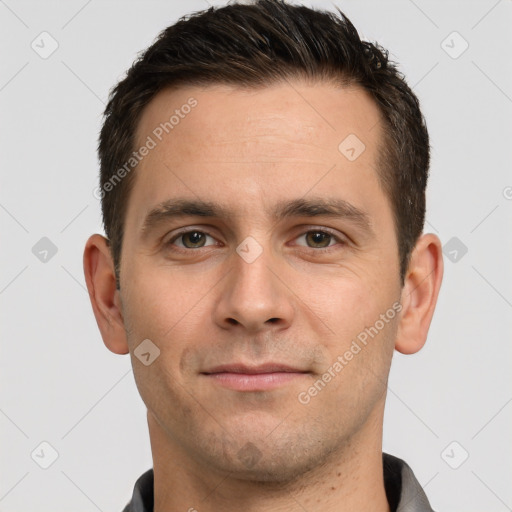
column 324, row 250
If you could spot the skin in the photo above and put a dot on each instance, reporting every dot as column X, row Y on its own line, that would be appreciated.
column 296, row 304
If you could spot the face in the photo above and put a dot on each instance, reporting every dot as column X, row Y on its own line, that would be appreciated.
column 258, row 254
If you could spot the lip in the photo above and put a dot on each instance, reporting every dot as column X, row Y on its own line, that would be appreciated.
column 253, row 370
column 263, row 377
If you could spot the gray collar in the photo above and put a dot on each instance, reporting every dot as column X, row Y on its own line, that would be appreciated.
column 403, row 491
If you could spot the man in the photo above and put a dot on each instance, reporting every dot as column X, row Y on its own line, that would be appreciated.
column 263, row 177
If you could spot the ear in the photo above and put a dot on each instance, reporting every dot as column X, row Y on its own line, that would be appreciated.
column 105, row 298
column 419, row 294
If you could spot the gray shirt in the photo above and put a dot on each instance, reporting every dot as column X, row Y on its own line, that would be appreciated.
column 403, row 491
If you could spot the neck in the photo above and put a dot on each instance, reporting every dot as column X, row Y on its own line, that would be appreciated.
column 352, row 479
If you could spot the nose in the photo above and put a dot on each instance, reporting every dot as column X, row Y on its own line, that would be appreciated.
column 254, row 295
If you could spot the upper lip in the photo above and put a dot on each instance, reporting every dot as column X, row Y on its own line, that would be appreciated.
column 250, row 370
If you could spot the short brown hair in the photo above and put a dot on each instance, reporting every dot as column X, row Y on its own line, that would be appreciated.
column 256, row 45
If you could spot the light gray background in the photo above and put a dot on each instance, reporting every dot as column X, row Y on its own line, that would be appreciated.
column 60, row 384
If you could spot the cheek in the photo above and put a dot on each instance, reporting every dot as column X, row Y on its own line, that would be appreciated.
column 160, row 300
column 356, row 376
column 160, row 308
column 348, row 304
column 167, row 307
column 362, row 318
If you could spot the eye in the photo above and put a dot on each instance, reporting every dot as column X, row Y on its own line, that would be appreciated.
column 196, row 239
column 193, row 239
column 319, row 239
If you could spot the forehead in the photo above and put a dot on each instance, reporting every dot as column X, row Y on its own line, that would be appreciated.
column 248, row 146
column 316, row 115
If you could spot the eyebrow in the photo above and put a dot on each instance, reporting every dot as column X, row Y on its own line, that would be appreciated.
column 312, row 207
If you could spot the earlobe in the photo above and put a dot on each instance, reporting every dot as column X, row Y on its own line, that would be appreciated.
column 105, row 300
column 419, row 294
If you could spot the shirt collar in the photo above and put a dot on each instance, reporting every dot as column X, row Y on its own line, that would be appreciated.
column 403, row 490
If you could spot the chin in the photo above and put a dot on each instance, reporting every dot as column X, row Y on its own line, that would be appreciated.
column 286, row 470
column 283, row 461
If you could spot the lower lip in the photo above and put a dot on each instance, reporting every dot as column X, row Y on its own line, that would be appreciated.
column 254, row 382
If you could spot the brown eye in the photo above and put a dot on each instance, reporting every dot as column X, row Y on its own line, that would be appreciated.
column 318, row 239
column 193, row 239
column 322, row 240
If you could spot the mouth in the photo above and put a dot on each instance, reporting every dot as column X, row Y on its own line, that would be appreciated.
column 265, row 377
